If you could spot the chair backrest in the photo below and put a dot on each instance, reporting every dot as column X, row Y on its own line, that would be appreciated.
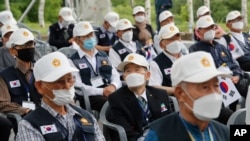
column 238, row 117
column 108, row 125
column 174, row 103
column 67, row 51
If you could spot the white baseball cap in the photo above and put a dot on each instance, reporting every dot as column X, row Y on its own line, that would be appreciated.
column 8, row 28
column 233, row 15
column 124, row 24
column 20, row 37
column 112, row 18
column 202, row 10
column 135, row 59
column 82, row 28
column 52, row 66
column 204, row 22
column 6, row 17
column 66, row 14
column 164, row 15
column 197, row 67
column 168, row 31
column 138, row 9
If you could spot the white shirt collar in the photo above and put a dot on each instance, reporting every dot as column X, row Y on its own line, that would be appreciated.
column 142, row 95
column 238, row 36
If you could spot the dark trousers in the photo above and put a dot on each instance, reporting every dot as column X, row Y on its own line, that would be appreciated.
column 5, row 129
column 245, row 66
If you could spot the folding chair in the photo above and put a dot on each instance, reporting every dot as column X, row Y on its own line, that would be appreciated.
column 238, row 117
column 108, row 126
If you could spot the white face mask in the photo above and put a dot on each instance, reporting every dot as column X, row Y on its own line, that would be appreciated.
column 140, row 19
column 111, row 29
column 63, row 97
column 135, row 79
column 174, row 47
column 238, row 25
column 209, row 35
column 206, row 107
column 65, row 23
column 127, row 36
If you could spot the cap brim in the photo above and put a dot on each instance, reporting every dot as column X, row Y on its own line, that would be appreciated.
column 205, row 76
column 113, row 24
column 68, row 18
column 169, row 35
column 126, row 28
column 122, row 65
column 58, row 74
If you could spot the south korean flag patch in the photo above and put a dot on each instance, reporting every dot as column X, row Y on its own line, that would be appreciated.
column 15, row 83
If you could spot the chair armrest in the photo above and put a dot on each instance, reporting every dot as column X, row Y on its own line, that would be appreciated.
column 14, row 115
column 85, row 97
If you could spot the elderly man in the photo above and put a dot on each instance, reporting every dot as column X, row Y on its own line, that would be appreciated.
column 160, row 67
column 205, row 27
column 17, row 91
column 105, row 34
column 97, row 75
column 136, row 105
column 6, row 58
column 194, row 77
column 236, row 40
column 125, row 44
column 57, row 118
column 61, row 32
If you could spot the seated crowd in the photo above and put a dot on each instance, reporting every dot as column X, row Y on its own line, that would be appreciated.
column 129, row 66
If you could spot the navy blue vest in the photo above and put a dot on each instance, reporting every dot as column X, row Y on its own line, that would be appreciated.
column 165, row 65
column 103, row 39
column 103, row 68
column 83, row 132
column 119, row 46
column 19, row 87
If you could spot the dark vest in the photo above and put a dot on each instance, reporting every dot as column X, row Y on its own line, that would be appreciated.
column 103, row 68
column 19, row 87
column 165, row 65
column 103, row 38
column 41, row 117
column 119, row 46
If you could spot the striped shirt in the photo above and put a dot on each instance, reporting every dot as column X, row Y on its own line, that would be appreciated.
column 26, row 132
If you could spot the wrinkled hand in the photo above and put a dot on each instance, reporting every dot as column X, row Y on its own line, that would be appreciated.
column 235, row 79
column 108, row 90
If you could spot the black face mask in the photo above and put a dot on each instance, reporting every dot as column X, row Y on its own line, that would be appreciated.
column 26, row 55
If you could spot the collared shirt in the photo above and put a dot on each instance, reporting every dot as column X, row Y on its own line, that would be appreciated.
column 110, row 34
column 5, row 99
column 238, row 36
column 115, row 58
column 61, row 26
column 156, row 77
column 142, row 95
column 27, row 132
column 90, row 90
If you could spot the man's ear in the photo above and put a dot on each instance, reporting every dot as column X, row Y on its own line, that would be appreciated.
column 38, row 85
column 148, row 74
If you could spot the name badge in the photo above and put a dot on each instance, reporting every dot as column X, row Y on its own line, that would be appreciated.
column 102, row 36
column 96, row 81
column 30, row 105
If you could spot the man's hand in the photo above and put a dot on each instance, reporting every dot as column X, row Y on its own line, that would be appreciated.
column 235, row 79
column 108, row 90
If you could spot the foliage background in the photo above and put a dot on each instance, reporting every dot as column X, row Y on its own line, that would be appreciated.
column 219, row 8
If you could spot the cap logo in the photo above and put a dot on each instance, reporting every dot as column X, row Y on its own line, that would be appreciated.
column 8, row 27
column 86, row 26
column 68, row 13
column 130, row 58
column 209, row 19
column 56, row 63
column 171, row 28
column 205, row 62
column 25, row 33
column 125, row 22
column 8, row 17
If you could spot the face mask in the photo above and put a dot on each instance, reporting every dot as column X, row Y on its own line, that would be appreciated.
column 238, row 25
column 206, row 107
column 111, row 29
column 135, row 79
column 174, row 47
column 63, row 97
column 127, row 36
column 65, row 23
column 140, row 19
column 209, row 35
column 26, row 55
column 89, row 43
